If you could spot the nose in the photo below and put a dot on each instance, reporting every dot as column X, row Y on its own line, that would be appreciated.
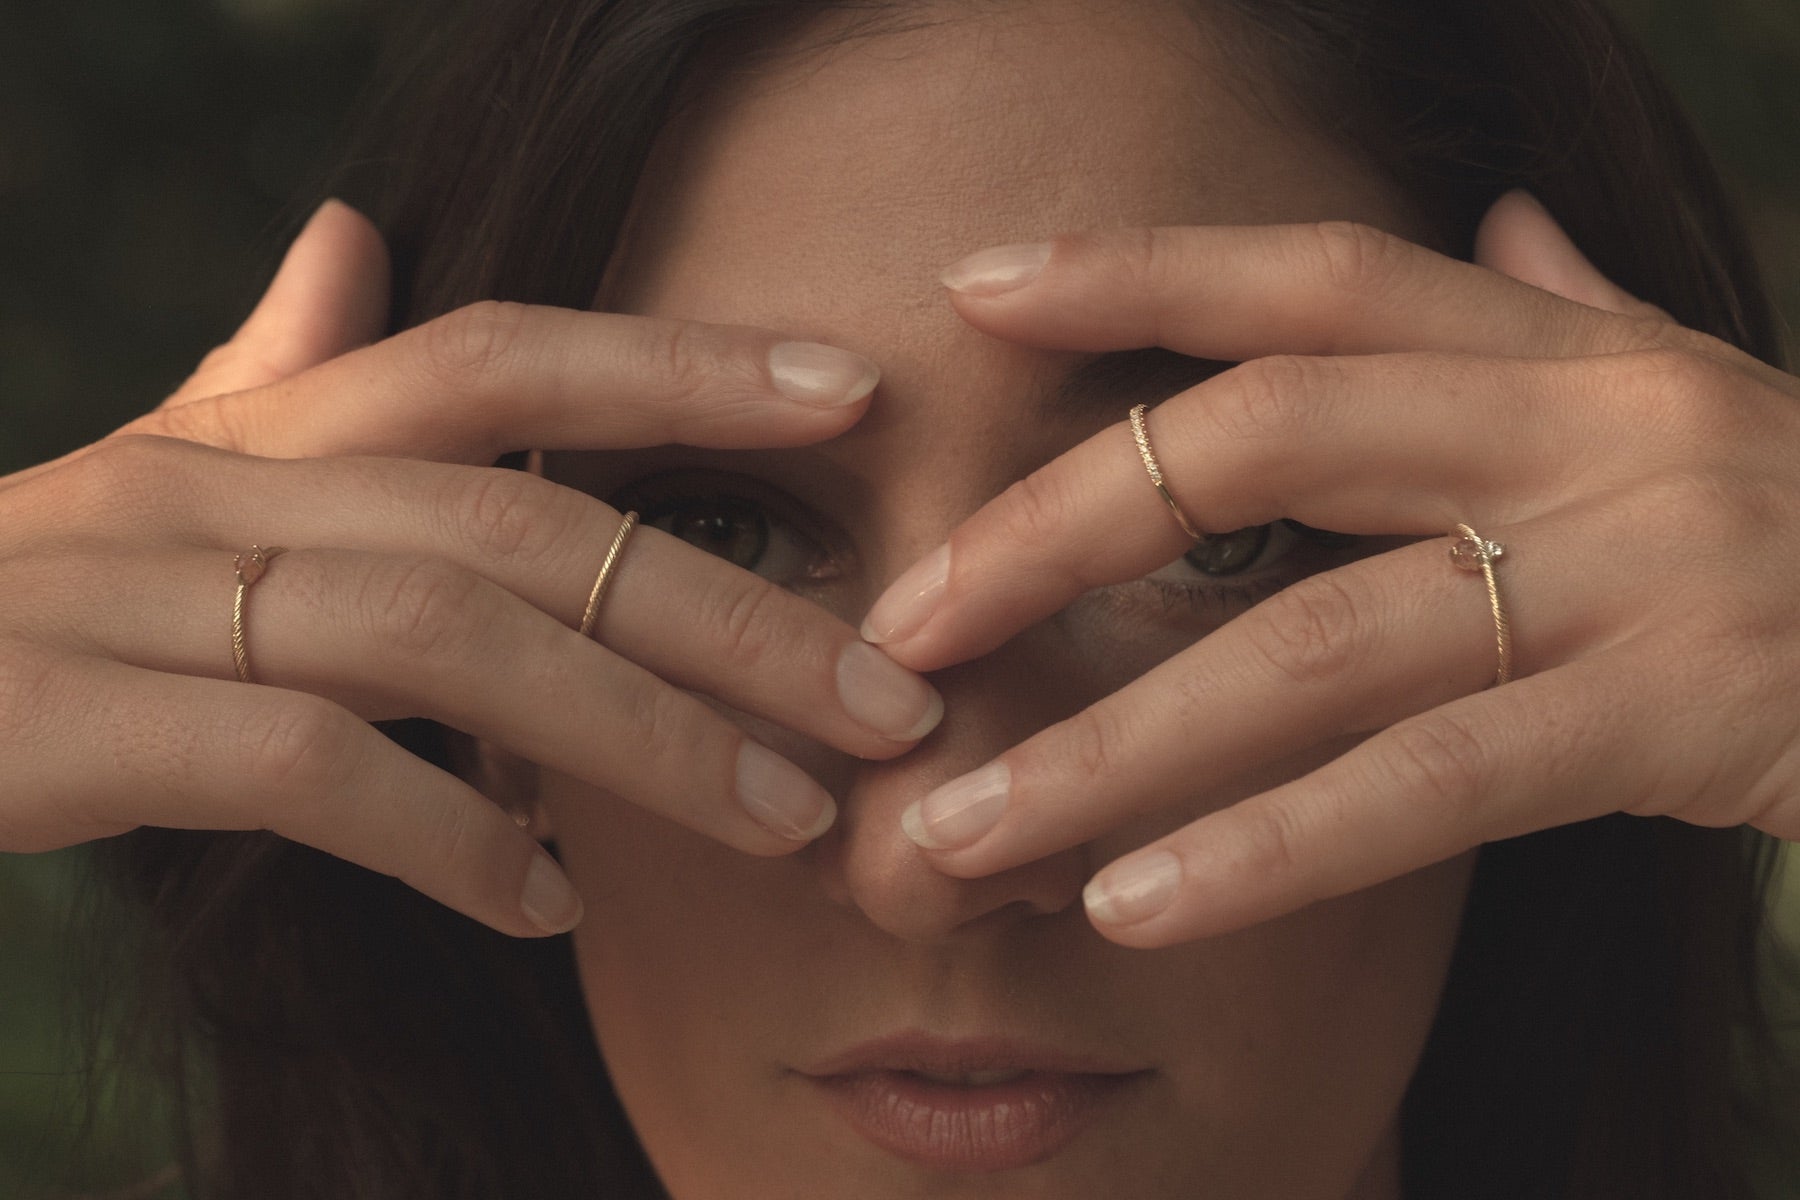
column 869, row 864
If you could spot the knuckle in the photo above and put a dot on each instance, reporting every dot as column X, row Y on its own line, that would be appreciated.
column 452, row 843
column 741, row 619
column 1094, row 742
column 1037, row 510
column 295, row 748
column 1142, row 252
column 1160, row 262
column 1309, row 633
column 139, row 473
column 685, row 356
column 128, row 461
column 1684, row 395
column 1712, row 519
column 1355, row 258
column 424, row 607
column 511, row 516
column 1438, row 755
column 663, row 732
column 476, row 340
column 1270, row 399
column 29, row 679
column 1650, row 328
column 209, row 421
column 1273, row 844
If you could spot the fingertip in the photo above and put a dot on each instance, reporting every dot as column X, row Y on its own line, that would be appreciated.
column 996, row 270
column 1521, row 238
column 329, row 296
column 781, row 798
column 1134, row 889
column 821, row 376
column 548, row 900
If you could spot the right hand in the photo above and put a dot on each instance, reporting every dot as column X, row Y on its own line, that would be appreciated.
column 416, row 582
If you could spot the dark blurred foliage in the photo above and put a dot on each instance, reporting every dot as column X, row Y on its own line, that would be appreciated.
column 156, row 155
column 1736, row 65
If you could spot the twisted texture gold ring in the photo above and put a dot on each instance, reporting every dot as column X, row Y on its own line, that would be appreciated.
column 1472, row 552
column 249, row 566
column 1139, row 432
column 606, row 568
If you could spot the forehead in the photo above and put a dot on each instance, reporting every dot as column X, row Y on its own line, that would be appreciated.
column 888, row 155
column 821, row 192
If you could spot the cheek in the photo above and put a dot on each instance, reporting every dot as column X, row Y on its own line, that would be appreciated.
column 679, row 955
column 1300, row 1036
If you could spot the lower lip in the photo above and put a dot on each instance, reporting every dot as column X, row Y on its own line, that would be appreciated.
column 973, row 1129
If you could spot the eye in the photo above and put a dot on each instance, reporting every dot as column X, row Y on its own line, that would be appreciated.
column 1241, row 552
column 1226, row 573
column 726, row 517
column 734, row 530
column 1219, row 554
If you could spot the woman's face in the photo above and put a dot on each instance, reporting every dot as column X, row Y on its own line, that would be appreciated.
column 770, row 1024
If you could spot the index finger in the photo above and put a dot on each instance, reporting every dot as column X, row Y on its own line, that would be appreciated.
column 494, row 377
column 1240, row 292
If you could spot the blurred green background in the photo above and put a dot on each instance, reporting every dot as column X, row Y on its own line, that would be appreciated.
column 155, row 156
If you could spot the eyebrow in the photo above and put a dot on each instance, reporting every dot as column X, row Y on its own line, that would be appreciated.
column 1108, row 382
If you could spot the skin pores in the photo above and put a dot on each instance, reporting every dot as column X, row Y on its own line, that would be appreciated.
column 820, row 196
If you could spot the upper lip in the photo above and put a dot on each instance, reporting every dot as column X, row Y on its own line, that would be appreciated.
column 935, row 1054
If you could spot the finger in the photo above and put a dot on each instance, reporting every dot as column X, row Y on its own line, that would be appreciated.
column 1518, row 237
column 1562, row 746
column 111, row 747
column 493, row 378
column 391, row 637
column 329, row 296
column 1343, row 653
column 1235, row 293
column 1351, row 445
column 677, row 611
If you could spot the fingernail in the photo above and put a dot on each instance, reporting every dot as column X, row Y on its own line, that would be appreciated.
column 908, row 603
column 780, row 796
column 997, row 270
column 549, row 901
column 961, row 812
column 885, row 696
column 1133, row 889
column 822, row 376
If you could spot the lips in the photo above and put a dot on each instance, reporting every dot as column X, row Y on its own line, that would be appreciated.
column 971, row 1105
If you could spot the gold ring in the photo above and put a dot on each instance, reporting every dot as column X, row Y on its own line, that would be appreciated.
column 606, row 567
column 1472, row 552
column 1142, row 435
column 250, row 567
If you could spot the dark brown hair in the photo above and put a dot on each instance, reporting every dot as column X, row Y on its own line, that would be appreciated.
column 350, row 1039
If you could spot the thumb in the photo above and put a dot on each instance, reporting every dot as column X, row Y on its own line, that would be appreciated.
column 1519, row 237
column 329, row 296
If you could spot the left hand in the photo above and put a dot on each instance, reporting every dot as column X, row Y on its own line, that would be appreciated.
column 1643, row 477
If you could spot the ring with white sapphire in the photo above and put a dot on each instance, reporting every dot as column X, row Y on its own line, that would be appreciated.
column 250, row 566
column 606, row 569
column 1142, row 436
column 1472, row 552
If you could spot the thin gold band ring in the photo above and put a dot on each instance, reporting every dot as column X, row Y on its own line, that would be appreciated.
column 1472, row 552
column 606, row 569
column 249, row 566
column 1142, row 436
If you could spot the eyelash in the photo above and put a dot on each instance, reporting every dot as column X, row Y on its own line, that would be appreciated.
column 663, row 495
column 1305, row 551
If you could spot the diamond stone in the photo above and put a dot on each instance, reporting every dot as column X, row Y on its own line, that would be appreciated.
column 1473, row 553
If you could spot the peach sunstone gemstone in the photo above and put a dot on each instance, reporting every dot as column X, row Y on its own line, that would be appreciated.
column 251, row 565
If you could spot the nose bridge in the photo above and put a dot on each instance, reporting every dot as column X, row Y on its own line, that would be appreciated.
column 868, row 863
